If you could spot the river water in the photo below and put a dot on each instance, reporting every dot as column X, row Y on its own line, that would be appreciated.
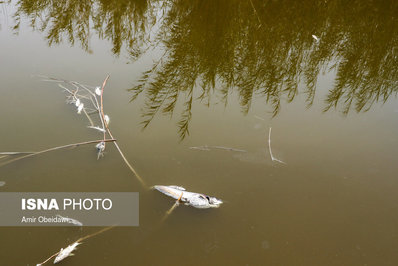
column 215, row 75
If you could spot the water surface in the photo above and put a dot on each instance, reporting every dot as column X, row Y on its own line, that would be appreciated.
column 215, row 73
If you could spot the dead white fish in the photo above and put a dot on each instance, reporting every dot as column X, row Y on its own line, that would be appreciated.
column 80, row 108
column 315, row 38
column 107, row 119
column 70, row 220
column 64, row 253
column 98, row 91
column 193, row 199
column 97, row 128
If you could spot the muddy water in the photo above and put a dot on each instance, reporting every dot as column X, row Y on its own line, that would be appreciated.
column 215, row 73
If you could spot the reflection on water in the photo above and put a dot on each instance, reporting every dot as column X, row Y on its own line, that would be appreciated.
column 266, row 49
column 332, row 204
column 121, row 22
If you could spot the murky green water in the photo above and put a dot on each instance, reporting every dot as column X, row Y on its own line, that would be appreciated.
column 323, row 75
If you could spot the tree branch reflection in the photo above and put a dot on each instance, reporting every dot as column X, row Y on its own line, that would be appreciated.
column 270, row 50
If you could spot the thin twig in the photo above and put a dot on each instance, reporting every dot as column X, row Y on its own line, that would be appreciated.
column 16, row 152
column 208, row 148
column 47, row 260
column 270, row 151
column 96, row 233
column 75, row 98
column 102, row 104
column 255, row 12
column 58, row 148
column 115, row 143
column 172, row 208
column 260, row 118
column 125, row 160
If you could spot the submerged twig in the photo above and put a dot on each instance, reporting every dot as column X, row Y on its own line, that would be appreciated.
column 259, row 118
column 270, row 150
column 16, row 152
column 57, row 148
column 98, row 108
column 172, row 208
column 105, row 120
column 255, row 12
column 208, row 148
column 80, row 106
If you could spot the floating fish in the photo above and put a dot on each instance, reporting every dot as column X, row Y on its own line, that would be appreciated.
column 193, row 199
column 64, row 253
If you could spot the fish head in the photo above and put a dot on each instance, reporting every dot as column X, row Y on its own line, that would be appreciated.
column 214, row 202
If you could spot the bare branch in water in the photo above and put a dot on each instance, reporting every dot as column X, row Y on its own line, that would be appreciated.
column 208, row 148
column 16, row 152
column 171, row 209
column 56, row 148
column 98, row 108
column 270, row 150
column 110, row 134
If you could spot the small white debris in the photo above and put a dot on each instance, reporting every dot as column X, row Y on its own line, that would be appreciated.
column 274, row 159
column 107, row 119
column 2, row 183
column 80, row 108
column 100, row 149
column 77, row 103
column 64, row 253
column 98, row 91
column 70, row 220
column 315, row 38
column 97, row 128
column 100, row 146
